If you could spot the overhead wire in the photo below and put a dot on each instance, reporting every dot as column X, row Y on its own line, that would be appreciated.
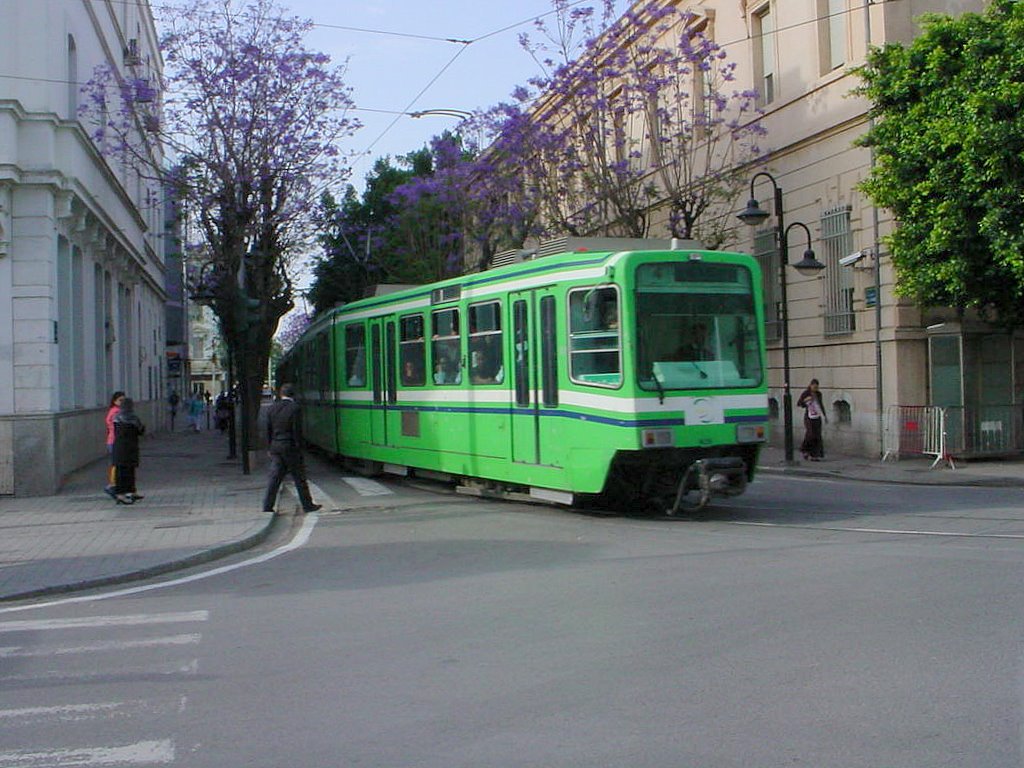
column 464, row 44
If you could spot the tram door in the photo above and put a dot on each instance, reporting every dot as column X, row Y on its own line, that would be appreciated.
column 384, row 370
column 534, row 372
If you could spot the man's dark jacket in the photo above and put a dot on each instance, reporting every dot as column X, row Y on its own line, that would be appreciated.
column 284, row 425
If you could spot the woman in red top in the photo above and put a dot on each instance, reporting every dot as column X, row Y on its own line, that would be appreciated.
column 115, row 407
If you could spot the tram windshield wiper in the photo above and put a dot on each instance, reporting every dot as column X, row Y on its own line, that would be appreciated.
column 701, row 371
column 661, row 389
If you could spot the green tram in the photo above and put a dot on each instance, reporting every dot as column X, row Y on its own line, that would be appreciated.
column 634, row 377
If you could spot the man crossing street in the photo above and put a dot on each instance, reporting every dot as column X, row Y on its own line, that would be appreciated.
column 284, row 439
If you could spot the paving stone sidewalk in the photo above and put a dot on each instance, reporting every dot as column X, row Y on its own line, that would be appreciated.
column 1006, row 472
column 198, row 506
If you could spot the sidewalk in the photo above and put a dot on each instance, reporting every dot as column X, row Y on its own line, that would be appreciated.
column 998, row 473
column 198, row 506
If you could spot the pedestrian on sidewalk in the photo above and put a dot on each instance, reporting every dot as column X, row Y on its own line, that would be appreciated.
column 115, row 406
column 284, row 440
column 127, row 430
column 195, row 411
column 222, row 411
column 813, row 446
column 173, row 400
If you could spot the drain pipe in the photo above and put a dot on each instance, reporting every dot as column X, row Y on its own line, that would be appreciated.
column 877, row 252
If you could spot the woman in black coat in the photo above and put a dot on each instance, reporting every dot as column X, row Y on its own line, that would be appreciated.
column 127, row 430
column 813, row 447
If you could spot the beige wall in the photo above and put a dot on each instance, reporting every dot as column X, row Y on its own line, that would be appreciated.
column 812, row 123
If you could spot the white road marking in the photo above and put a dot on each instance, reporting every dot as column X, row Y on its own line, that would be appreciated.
column 365, row 487
column 103, row 621
column 140, row 753
column 69, row 711
column 887, row 531
column 166, row 669
column 299, row 540
column 112, row 645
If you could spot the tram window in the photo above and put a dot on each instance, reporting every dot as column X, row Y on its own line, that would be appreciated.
column 378, row 383
column 355, row 355
column 412, row 351
column 323, row 364
column 594, row 337
column 486, row 363
column 521, row 336
column 445, row 347
column 696, row 327
column 548, row 352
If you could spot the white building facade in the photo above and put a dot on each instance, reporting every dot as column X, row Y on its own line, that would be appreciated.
column 82, row 284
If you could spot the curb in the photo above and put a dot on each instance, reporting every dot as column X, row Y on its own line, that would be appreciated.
column 198, row 558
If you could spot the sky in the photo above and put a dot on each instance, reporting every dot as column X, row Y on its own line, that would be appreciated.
column 403, row 71
column 388, row 71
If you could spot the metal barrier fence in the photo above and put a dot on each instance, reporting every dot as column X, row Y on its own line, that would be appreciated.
column 984, row 430
column 915, row 430
column 952, row 431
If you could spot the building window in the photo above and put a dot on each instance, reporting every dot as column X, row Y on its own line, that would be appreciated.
column 843, row 412
column 766, row 251
column 837, row 242
column 773, row 408
column 764, row 53
column 832, row 34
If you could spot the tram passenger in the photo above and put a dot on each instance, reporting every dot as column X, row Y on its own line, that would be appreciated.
column 412, row 373
column 485, row 364
column 610, row 315
column 446, row 371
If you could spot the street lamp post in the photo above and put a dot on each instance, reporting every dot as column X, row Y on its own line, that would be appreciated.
column 752, row 215
column 443, row 112
column 460, row 114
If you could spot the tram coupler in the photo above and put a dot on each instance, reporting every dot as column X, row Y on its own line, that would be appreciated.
column 725, row 476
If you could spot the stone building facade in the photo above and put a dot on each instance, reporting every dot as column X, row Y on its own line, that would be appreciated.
column 869, row 348
column 82, row 283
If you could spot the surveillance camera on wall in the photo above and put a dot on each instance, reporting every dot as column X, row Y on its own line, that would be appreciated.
column 853, row 258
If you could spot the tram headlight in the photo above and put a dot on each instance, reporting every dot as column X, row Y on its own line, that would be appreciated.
column 751, row 433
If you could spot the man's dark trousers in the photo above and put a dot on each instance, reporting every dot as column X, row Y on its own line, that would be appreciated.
column 286, row 460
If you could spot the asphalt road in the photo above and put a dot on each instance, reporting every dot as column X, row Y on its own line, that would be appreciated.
column 807, row 623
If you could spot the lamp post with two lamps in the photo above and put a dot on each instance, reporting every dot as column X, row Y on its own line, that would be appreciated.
column 752, row 215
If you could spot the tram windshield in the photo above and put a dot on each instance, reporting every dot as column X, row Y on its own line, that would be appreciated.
column 696, row 327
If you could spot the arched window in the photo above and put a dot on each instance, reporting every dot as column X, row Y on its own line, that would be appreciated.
column 73, row 85
column 842, row 411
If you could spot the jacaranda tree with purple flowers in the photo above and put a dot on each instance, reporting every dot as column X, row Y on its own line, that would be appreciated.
column 632, row 115
column 432, row 215
column 252, row 118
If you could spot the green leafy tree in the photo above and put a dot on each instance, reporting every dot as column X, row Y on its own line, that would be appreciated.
column 359, row 236
column 949, row 143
